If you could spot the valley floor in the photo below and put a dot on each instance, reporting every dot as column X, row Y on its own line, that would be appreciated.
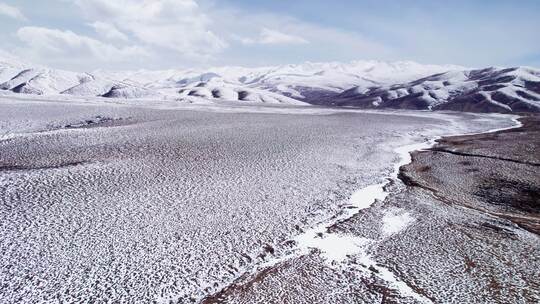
column 130, row 203
column 467, row 221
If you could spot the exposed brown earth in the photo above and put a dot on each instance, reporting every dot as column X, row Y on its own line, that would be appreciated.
column 497, row 173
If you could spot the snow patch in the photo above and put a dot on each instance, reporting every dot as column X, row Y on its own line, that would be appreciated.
column 394, row 222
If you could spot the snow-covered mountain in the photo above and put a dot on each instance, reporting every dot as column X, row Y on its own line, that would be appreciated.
column 366, row 84
column 483, row 90
column 43, row 81
column 219, row 90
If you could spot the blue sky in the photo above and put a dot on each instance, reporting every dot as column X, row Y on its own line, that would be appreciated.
column 161, row 34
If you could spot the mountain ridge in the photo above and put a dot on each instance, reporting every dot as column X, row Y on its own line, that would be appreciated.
column 363, row 84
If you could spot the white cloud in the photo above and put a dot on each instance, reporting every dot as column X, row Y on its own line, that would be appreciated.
column 268, row 36
column 178, row 25
column 108, row 31
column 172, row 33
column 9, row 59
column 11, row 11
column 51, row 45
column 311, row 42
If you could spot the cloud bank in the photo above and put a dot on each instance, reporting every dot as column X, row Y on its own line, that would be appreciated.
column 162, row 34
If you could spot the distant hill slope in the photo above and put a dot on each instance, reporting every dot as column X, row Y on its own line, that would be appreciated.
column 484, row 90
column 364, row 84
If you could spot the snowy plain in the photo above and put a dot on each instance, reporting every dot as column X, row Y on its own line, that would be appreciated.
column 143, row 201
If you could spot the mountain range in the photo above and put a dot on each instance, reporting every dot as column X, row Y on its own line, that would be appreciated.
column 363, row 84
